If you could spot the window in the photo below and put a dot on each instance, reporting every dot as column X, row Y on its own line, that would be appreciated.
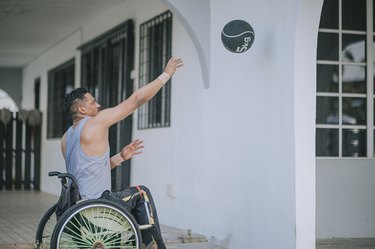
column 106, row 65
column 345, row 91
column 155, row 50
column 37, row 93
column 60, row 82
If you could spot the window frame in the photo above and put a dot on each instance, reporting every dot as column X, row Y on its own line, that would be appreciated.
column 369, row 94
column 57, row 121
column 157, row 112
column 106, row 65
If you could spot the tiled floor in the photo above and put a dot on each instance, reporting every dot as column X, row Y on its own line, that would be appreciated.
column 362, row 243
column 19, row 215
column 20, row 212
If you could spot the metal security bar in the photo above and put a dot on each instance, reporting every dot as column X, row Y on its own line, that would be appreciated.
column 60, row 82
column 155, row 50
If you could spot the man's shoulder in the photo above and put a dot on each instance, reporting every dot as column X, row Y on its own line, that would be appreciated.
column 93, row 123
column 99, row 121
column 93, row 129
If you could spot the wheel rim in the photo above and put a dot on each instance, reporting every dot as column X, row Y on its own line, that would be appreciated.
column 47, row 233
column 98, row 227
column 45, row 227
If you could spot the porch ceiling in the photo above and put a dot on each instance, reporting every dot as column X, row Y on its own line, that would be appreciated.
column 30, row 27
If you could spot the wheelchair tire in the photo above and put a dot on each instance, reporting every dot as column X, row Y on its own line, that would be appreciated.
column 45, row 229
column 96, row 224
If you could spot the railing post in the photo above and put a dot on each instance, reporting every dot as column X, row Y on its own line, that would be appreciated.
column 37, row 151
column 27, row 179
column 2, row 157
column 9, row 155
column 18, row 157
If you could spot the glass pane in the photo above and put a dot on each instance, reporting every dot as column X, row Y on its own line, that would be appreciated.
column 330, row 15
column 354, row 14
column 354, row 111
column 353, row 48
column 353, row 142
column 327, row 141
column 328, row 44
column 327, row 78
column 327, row 110
column 353, row 79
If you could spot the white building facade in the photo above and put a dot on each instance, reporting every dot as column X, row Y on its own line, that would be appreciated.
column 237, row 162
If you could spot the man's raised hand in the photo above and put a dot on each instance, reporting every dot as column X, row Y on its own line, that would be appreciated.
column 172, row 66
column 132, row 149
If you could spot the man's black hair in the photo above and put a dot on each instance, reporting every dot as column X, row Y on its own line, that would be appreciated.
column 70, row 98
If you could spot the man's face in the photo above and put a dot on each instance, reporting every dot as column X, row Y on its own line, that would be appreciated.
column 91, row 106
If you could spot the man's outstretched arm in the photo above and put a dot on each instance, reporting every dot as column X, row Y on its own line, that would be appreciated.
column 113, row 115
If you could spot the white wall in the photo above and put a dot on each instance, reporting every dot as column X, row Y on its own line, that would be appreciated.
column 345, row 198
column 250, row 113
column 230, row 150
column 304, row 108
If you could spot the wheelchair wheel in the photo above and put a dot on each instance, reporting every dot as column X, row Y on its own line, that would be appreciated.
column 98, row 224
column 45, row 229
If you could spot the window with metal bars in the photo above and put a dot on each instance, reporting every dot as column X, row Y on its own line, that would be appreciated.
column 155, row 50
column 106, row 64
column 105, row 72
column 37, row 93
column 60, row 82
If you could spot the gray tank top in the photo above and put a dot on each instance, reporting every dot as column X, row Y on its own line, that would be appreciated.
column 93, row 173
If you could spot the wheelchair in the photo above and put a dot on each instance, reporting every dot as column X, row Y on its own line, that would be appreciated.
column 96, row 224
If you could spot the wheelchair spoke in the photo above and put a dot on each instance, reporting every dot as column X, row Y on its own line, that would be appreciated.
column 68, row 237
column 94, row 227
column 86, row 223
column 72, row 234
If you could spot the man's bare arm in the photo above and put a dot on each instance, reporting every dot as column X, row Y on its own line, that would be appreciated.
column 111, row 116
column 63, row 145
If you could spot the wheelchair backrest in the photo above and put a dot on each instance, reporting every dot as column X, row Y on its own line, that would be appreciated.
column 69, row 192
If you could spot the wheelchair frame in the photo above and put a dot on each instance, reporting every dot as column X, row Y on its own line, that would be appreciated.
column 97, row 224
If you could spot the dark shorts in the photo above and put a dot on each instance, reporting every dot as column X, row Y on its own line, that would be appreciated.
column 137, row 200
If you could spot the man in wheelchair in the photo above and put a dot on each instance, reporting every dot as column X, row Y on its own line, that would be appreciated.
column 85, row 147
